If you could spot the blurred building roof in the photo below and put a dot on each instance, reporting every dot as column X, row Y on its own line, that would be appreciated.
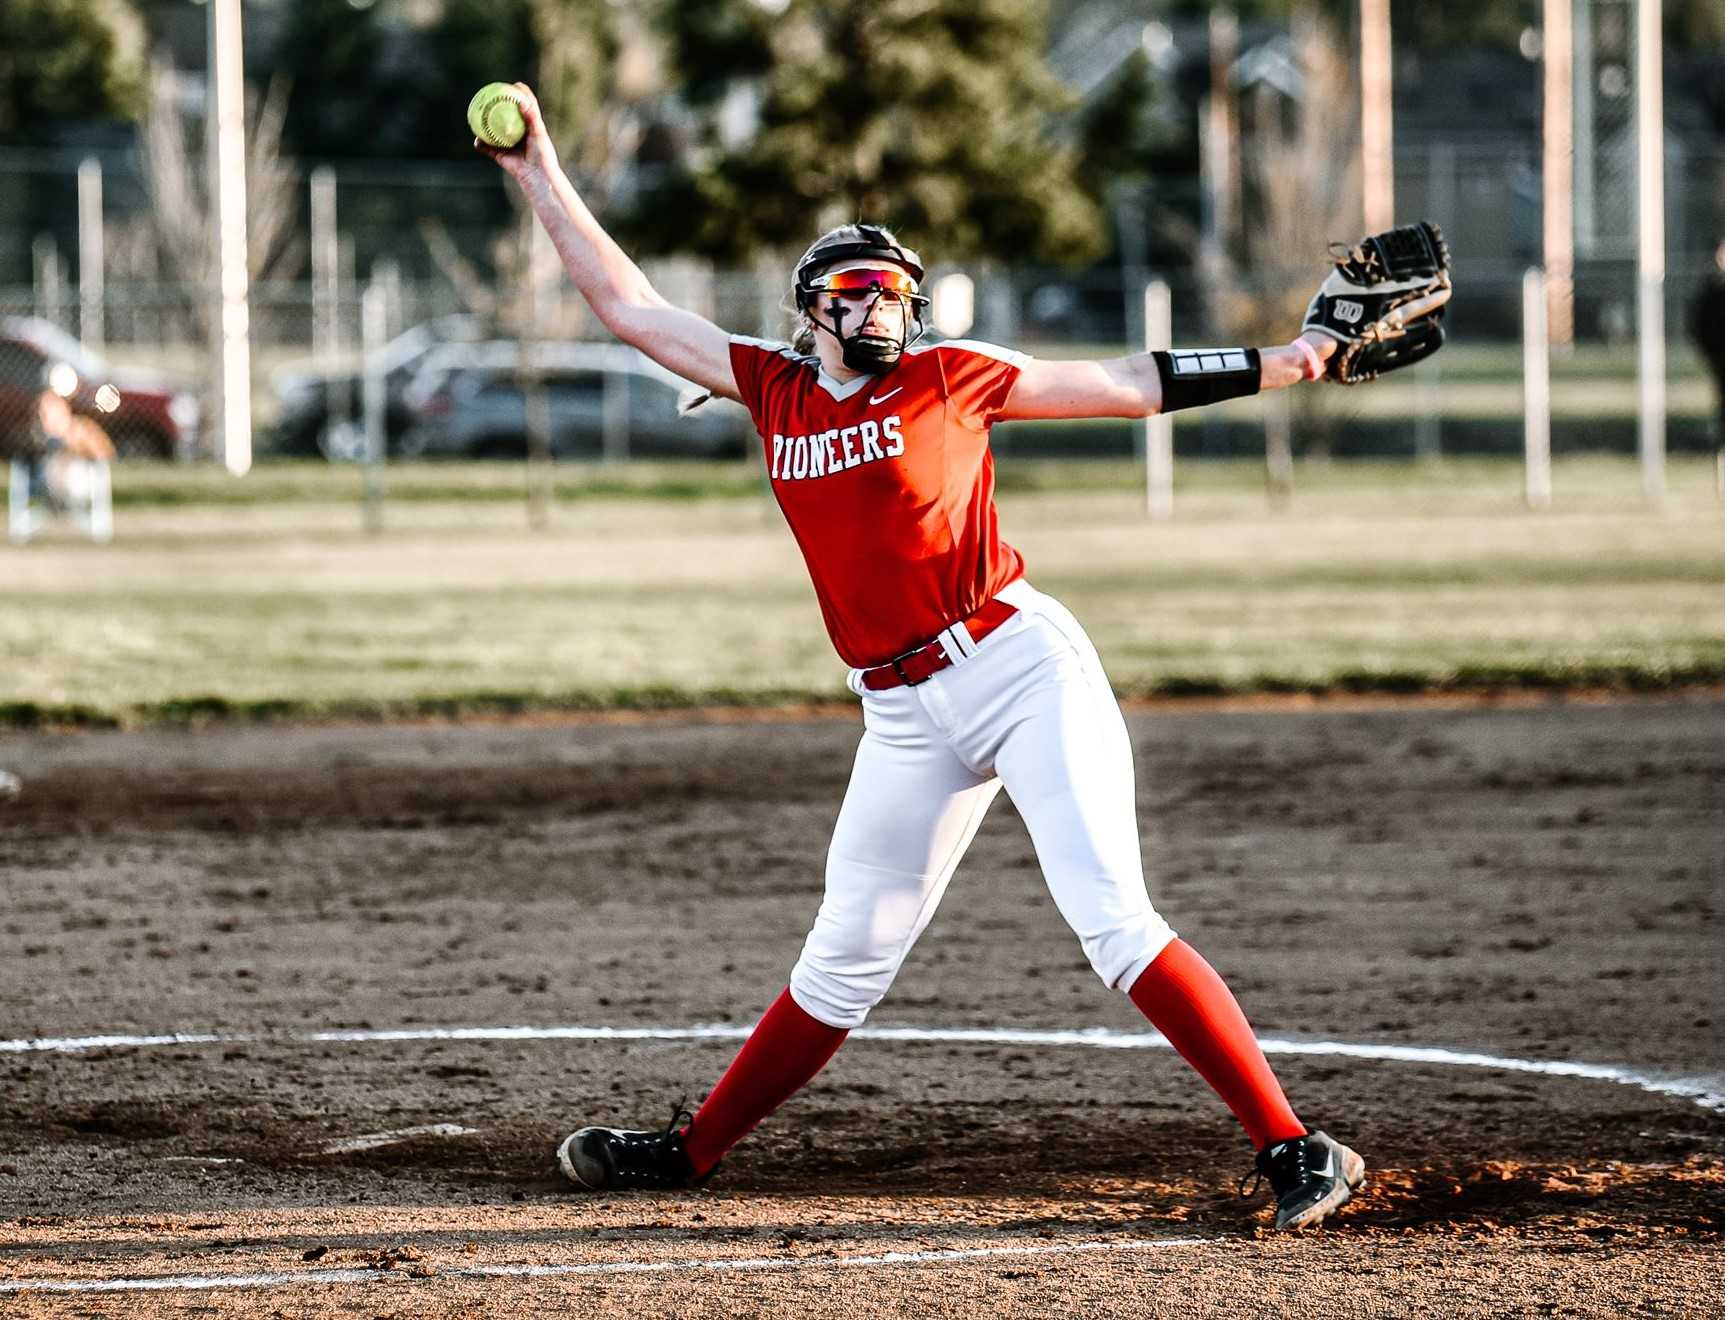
column 1089, row 43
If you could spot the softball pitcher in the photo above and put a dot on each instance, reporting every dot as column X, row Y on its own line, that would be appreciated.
column 971, row 680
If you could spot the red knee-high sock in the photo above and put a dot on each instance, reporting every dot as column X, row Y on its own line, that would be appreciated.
column 1190, row 1004
column 785, row 1050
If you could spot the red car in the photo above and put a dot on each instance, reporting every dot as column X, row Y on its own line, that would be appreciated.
column 146, row 415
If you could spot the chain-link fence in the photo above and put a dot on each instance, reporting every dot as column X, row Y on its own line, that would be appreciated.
column 1485, row 191
column 455, row 381
column 89, row 311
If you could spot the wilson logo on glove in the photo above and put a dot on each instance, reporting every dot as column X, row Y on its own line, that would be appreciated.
column 1384, row 302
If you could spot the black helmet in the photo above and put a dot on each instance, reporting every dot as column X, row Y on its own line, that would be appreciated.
column 852, row 243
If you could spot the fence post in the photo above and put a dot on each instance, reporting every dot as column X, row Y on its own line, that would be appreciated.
column 614, row 414
column 50, row 278
column 1159, row 430
column 20, row 519
column 1279, row 447
column 324, row 265
column 92, row 265
column 1536, row 390
column 374, row 332
column 386, row 271
column 536, row 417
column 543, row 268
column 1428, row 426
column 326, row 319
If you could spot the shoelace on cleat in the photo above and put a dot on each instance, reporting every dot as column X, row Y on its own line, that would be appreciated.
column 641, row 1154
column 679, row 1112
column 1289, row 1166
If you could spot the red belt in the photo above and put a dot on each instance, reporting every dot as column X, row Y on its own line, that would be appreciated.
column 930, row 658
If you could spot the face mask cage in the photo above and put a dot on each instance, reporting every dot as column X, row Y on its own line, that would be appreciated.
column 865, row 349
column 841, row 293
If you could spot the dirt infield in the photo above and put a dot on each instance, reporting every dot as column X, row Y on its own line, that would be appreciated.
column 1542, row 886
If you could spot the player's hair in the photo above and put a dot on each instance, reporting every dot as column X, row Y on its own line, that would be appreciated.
column 802, row 333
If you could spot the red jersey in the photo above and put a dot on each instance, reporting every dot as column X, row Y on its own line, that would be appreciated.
column 888, row 485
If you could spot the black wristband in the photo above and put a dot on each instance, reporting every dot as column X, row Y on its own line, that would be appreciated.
column 1192, row 378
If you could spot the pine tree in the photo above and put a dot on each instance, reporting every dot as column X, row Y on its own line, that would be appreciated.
column 368, row 84
column 933, row 116
column 66, row 60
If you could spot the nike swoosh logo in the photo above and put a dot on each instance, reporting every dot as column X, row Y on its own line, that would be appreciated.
column 882, row 398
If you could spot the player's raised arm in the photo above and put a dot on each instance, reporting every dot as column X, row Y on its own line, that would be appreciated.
column 614, row 286
column 1380, row 309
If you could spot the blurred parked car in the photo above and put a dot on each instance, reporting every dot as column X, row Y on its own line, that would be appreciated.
column 321, row 412
column 469, row 403
column 146, row 414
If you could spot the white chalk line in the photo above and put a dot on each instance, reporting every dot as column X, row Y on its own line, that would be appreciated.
column 198, row 1159
column 1708, row 1092
column 736, row 1265
column 377, row 1140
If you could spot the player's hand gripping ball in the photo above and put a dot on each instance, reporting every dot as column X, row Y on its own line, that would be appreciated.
column 494, row 115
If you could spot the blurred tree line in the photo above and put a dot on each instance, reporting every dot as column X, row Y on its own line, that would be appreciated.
column 787, row 115
column 939, row 116
column 728, row 127
column 67, row 59
column 1463, row 23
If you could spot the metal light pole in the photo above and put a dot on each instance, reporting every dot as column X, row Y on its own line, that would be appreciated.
column 1557, row 169
column 1377, row 122
column 1650, row 247
column 231, row 336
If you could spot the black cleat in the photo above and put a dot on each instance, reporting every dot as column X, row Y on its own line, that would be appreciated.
column 1311, row 1175
column 614, row 1159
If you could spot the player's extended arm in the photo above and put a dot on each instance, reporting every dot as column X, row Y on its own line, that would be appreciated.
column 614, row 286
column 1133, row 386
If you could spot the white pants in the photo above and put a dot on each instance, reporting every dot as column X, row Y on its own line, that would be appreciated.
column 1028, row 709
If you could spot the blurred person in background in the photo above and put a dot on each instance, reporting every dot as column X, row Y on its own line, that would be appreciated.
column 50, row 439
column 1707, row 324
column 970, row 679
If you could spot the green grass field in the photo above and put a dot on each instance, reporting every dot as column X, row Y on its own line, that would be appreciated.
column 666, row 585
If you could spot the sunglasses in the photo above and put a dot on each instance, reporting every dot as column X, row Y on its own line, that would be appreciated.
column 856, row 283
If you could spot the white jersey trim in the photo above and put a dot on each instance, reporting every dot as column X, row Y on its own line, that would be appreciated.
column 769, row 345
column 843, row 389
column 839, row 390
column 1011, row 356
